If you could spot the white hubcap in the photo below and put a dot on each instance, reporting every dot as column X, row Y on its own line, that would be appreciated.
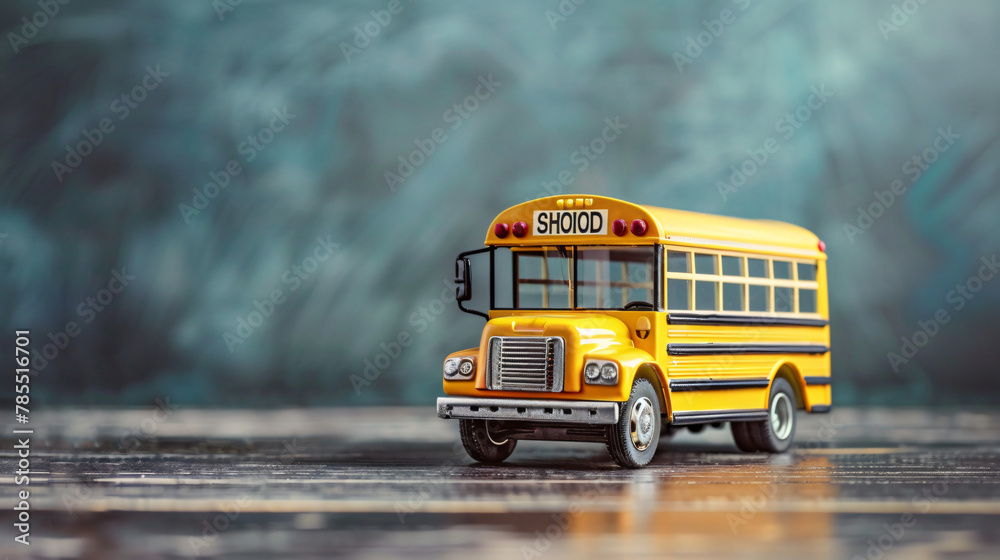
column 782, row 416
column 641, row 423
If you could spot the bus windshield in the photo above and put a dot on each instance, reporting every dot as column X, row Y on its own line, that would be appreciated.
column 584, row 277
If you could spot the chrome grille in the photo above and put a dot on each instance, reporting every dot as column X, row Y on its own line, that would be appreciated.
column 526, row 363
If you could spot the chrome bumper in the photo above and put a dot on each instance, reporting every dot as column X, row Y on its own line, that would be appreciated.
column 578, row 412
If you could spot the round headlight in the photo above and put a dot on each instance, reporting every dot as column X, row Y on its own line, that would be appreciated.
column 592, row 371
column 466, row 368
column 451, row 366
column 609, row 372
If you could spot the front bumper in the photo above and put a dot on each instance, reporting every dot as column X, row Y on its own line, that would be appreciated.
column 573, row 412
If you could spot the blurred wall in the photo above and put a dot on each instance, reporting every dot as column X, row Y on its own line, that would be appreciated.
column 169, row 168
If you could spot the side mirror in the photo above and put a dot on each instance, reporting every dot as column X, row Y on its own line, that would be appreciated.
column 463, row 279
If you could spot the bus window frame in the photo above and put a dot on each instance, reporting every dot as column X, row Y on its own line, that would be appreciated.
column 745, row 281
column 658, row 283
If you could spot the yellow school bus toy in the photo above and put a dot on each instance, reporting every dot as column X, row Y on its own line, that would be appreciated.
column 618, row 323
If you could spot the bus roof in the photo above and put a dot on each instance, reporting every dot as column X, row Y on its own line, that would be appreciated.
column 590, row 220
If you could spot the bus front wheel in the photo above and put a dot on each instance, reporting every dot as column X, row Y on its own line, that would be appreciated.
column 480, row 445
column 632, row 441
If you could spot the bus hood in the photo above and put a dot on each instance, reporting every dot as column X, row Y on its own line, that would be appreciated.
column 583, row 332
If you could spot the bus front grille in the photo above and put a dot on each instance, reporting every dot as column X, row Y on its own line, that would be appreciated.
column 526, row 363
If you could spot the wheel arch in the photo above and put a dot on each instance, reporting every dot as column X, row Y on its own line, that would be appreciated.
column 789, row 372
column 654, row 375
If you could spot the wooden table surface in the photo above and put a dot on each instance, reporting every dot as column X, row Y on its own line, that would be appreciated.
column 174, row 482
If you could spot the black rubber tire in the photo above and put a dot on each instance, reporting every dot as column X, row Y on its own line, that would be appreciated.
column 741, row 434
column 480, row 446
column 619, row 438
column 763, row 434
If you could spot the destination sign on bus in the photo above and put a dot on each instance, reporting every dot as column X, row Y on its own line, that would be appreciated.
column 570, row 222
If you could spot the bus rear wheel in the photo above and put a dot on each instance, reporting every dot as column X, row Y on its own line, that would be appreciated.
column 775, row 434
column 741, row 434
column 480, row 445
column 632, row 441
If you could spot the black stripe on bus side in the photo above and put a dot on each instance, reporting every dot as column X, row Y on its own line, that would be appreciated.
column 705, row 417
column 715, row 384
column 718, row 319
column 710, row 348
column 818, row 380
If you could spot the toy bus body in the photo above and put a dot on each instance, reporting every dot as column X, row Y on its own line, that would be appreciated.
column 712, row 319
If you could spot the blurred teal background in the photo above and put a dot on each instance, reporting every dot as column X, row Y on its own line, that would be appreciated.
column 235, row 156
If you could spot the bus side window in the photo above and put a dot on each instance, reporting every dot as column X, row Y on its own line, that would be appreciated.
column 705, row 264
column 678, row 262
column 757, row 268
column 782, row 270
column 706, row 292
column 732, row 266
column 807, row 272
column 678, row 294
column 784, row 301
column 760, row 298
column 732, row 297
column 807, row 300
column 704, row 297
column 732, row 293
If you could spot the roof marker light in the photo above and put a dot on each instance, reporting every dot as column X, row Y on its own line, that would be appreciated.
column 639, row 227
column 500, row 230
column 619, row 227
column 822, row 247
column 519, row 229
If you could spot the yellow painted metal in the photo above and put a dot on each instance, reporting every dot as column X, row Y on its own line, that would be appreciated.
column 618, row 335
column 675, row 227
